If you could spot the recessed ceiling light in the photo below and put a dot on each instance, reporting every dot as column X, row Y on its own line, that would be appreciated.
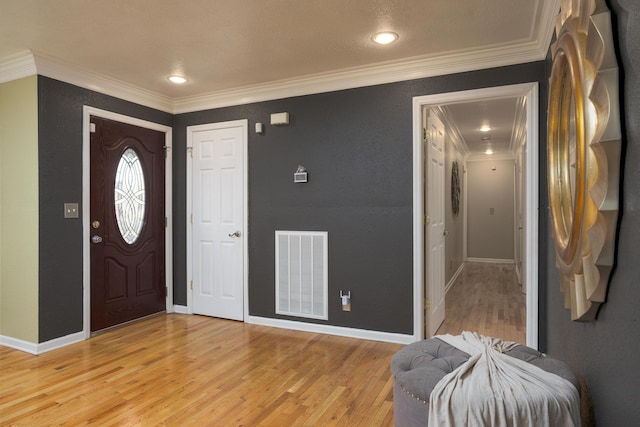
column 177, row 79
column 488, row 152
column 485, row 128
column 385, row 37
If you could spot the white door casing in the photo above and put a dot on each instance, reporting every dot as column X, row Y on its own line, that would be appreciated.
column 87, row 112
column 531, row 209
column 435, row 236
column 521, row 218
column 218, row 219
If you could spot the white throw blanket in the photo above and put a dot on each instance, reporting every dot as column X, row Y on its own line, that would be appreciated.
column 493, row 389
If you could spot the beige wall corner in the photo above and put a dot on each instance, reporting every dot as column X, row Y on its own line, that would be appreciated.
column 19, row 209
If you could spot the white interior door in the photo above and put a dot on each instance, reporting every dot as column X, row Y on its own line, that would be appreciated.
column 435, row 227
column 218, row 218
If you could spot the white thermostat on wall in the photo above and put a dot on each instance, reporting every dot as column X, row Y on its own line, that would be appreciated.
column 300, row 175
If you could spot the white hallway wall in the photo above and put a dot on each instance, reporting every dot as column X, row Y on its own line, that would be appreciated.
column 490, row 198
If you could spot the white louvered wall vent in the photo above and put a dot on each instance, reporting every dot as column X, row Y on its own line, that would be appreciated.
column 301, row 273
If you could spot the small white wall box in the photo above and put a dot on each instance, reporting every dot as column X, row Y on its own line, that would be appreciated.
column 278, row 119
column 300, row 175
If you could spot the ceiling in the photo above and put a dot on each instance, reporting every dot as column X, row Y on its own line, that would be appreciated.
column 238, row 51
column 501, row 115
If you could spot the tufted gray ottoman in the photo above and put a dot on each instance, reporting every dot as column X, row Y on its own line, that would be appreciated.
column 418, row 367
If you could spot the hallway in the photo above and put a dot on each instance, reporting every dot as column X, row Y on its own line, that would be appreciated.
column 486, row 298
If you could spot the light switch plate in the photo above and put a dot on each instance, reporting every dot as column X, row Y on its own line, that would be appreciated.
column 71, row 210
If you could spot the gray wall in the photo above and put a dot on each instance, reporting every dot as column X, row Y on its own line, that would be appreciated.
column 454, row 242
column 357, row 147
column 491, row 204
column 60, row 180
column 607, row 352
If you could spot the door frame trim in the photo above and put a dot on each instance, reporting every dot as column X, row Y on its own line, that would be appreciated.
column 244, row 123
column 87, row 112
column 530, row 90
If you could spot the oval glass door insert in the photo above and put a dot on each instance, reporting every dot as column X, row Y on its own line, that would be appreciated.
column 129, row 196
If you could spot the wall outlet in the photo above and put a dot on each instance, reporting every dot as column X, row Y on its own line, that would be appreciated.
column 71, row 210
column 345, row 299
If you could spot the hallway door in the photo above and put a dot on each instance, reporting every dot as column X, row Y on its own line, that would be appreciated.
column 218, row 234
column 127, row 221
column 435, row 227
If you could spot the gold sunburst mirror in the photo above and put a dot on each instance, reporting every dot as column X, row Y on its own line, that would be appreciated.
column 584, row 153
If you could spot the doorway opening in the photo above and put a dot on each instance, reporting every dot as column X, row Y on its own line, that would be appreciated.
column 91, row 227
column 525, row 249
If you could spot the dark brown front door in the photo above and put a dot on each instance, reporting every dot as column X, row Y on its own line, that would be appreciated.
column 127, row 223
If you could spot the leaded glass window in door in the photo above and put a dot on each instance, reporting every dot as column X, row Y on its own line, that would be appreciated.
column 129, row 196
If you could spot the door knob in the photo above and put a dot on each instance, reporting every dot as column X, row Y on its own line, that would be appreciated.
column 96, row 239
column 236, row 234
column 445, row 233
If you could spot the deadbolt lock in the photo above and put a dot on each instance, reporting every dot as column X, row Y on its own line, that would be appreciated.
column 95, row 224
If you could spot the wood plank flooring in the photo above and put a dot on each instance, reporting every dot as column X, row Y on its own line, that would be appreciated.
column 486, row 298
column 193, row 370
column 186, row 370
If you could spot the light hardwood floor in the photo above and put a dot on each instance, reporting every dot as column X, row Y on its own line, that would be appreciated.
column 486, row 298
column 184, row 370
column 193, row 370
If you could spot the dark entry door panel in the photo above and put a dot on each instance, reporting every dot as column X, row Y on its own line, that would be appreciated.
column 127, row 223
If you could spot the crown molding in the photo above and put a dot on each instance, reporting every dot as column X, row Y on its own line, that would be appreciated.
column 29, row 63
column 547, row 25
column 519, row 127
column 458, row 141
column 411, row 69
column 17, row 66
column 69, row 73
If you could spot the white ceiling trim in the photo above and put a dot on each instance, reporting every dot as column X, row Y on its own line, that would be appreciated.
column 458, row 140
column 17, row 66
column 28, row 63
column 368, row 76
column 519, row 128
column 70, row 73
column 547, row 24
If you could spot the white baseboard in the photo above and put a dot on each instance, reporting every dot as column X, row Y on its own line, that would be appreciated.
column 453, row 278
column 42, row 347
column 332, row 330
column 181, row 309
column 17, row 344
column 341, row 331
column 492, row 260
